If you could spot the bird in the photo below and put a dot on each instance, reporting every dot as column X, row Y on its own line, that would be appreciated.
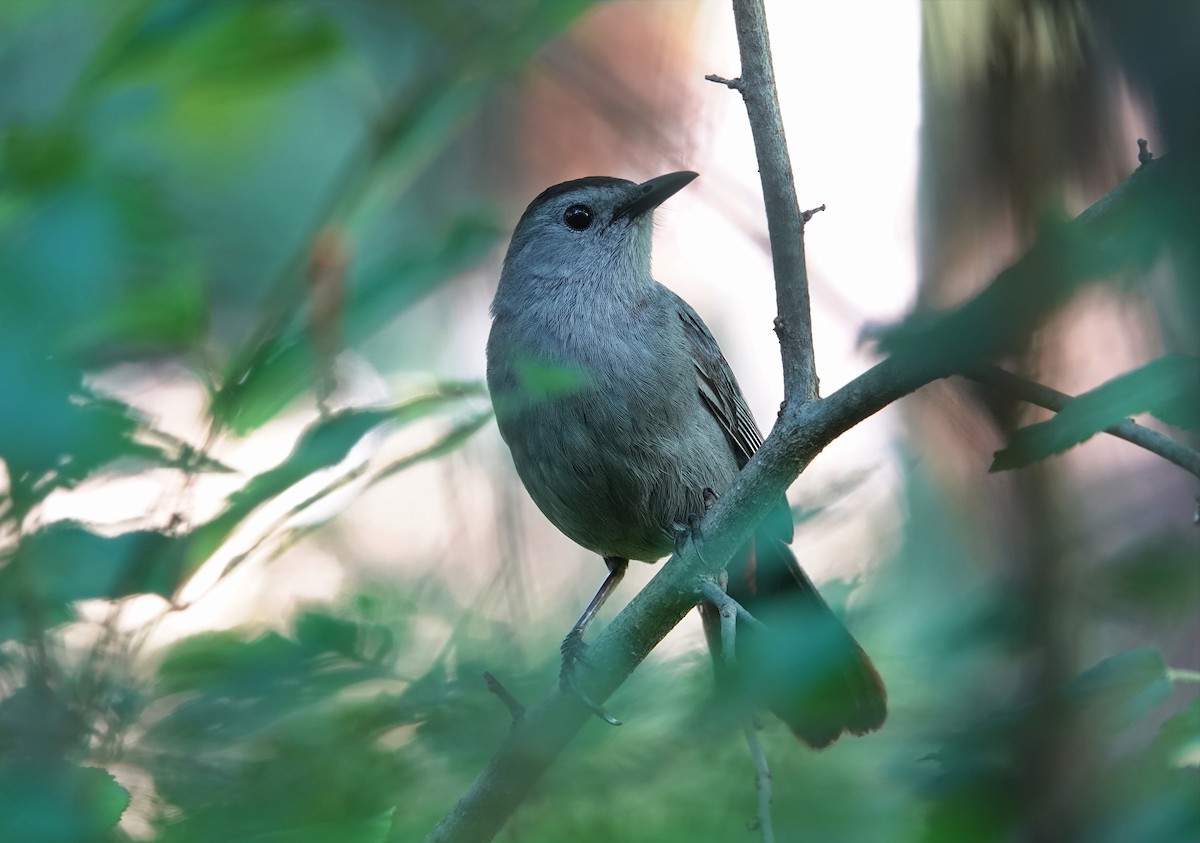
column 624, row 419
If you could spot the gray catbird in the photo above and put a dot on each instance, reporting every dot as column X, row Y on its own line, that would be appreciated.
column 622, row 416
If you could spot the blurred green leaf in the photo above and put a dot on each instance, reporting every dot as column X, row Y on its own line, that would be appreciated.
column 1168, row 387
column 58, row 803
column 478, row 44
column 1122, row 689
column 1122, row 232
column 1155, row 578
column 306, row 763
column 976, row 786
column 65, row 562
column 56, row 433
column 34, row 159
column 215, row 65
column 322, row 445
column 1179, row 739
column 171, row 312
column 282, row 368
column 451, row 441
column 1157, row 795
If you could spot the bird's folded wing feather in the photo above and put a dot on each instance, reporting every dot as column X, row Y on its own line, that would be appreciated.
column 722, row 396
column 718, row 387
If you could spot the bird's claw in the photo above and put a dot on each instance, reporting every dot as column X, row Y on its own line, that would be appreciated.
column 691, row 529
column 573, row 648
column 683, row 533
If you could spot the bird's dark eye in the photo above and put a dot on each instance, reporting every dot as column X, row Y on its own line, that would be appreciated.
column 578, row 217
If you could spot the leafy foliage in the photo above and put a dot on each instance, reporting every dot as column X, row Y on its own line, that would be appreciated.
column 164, row 182
column 1168, row 388
column 58, row 802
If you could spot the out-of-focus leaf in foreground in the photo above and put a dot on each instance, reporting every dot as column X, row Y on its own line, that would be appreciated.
column 323, row 444
column 64, row 562
column 57, row 803
column 1117, row 236
column 979, row 785
column 286, row 364
column 1168, row 388
column 262, row 742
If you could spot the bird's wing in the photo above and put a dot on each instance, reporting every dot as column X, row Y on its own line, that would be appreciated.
column 722, row 396
column 718, row 387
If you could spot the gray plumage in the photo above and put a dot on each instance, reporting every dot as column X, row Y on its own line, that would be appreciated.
column 623, row 453
column 620, row 411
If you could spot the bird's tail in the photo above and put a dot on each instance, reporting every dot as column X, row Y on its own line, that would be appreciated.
column 804, row 665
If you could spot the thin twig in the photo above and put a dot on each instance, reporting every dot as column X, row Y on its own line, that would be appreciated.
column 785, row 222
column 730, row 610
column 1051, row 399
column 762, row 781
column 510, row 702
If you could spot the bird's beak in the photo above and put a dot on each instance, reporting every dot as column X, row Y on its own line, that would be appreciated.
column 651, row 194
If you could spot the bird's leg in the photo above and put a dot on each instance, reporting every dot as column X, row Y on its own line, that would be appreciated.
column 573, row 646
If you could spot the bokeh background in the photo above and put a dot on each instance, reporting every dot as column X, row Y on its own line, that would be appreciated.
column 259, row 538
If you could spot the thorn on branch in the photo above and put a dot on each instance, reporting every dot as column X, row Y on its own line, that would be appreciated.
column 811, row 212
column 510, row 702
column 1144, row 153
column 735, row 83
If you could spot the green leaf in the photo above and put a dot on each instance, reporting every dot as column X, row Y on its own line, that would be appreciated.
column 57, row 803
column 170, row 312
column 56, row 433
column 458, row 434
column 539, row 380
column 1123, row 231
column 218, row 67
column 1179, row 739
column 1122, row 688
column 1168, row 387
column 282, row 368
column 323, row 444
column 1155, row 578
column 238, row 686
column 65, row 562
column 37, row 159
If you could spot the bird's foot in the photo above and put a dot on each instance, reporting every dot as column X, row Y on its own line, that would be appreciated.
column 691, row 530
column 573, row 648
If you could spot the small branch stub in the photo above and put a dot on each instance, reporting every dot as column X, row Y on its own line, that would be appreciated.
column 812, row 212
column 1144, row 154
column 510, row 702
column 735, row 83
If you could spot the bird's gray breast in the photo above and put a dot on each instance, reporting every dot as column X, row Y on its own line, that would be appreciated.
column 601, row 410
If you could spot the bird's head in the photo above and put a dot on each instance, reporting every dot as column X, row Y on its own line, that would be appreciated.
column 594, row 231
